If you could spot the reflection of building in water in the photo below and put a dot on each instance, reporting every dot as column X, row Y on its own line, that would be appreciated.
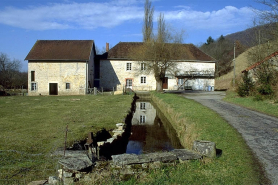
column 145, row 114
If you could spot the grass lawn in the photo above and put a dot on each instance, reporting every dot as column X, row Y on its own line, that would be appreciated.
column 33, row 127
column 269, row 107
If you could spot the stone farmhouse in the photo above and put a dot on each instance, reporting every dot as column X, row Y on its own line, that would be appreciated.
column 60, row 67
column 71, row 67
column 195, row 70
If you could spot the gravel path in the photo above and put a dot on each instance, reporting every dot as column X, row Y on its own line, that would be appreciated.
column 259, row 130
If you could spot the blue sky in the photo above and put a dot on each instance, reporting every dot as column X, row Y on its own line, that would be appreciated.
column 22, row 22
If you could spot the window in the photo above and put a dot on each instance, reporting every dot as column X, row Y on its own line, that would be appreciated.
column 67, row 85
column 33, row 86
column 32, row 76
column 143, row 79
column 142, row 105
column 128, row 66
column 142, row 119
column 128, row 83
column 143, row 66
column 180, row 81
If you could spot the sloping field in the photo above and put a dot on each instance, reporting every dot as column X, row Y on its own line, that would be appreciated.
column 226, row 81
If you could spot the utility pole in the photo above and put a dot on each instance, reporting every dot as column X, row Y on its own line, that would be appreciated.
column 234, row 64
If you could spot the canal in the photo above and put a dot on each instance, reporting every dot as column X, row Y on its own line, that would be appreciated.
column 151, row 131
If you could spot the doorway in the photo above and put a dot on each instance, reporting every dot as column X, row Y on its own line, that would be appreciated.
column 53, row 88
column 165, row 83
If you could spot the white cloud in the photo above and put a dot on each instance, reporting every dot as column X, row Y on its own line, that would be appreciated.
column 110, row 14
column 70, row 15
column 225, row 18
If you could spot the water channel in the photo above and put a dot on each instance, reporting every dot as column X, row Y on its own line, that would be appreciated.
column 151, row 131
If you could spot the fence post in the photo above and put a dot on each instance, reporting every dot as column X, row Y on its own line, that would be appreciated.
column 95, row 91
column 102, row 90
column 113, row 91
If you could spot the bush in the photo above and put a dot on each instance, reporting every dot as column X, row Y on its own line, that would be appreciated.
column 265, row 89
column 246, row 86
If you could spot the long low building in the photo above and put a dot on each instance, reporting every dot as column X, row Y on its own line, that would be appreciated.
column 194, row 69
column 71, row 67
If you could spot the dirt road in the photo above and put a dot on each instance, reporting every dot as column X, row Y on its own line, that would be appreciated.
column 259, row 130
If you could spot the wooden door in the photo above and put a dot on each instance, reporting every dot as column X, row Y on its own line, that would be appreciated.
column 165, row 83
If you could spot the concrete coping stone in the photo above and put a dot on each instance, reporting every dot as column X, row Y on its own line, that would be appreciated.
column 185, row 154
column 76, row 163
column 165, row 157
column 118, row 131
column 119, row 124
column 110, row 140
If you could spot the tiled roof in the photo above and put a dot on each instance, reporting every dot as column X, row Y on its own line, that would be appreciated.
column 258, row 63
column 189, row 52
column 61, row 50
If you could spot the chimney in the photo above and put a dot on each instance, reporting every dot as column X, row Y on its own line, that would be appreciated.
column 107, row 47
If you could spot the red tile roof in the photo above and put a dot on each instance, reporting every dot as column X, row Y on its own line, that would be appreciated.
column 190, row 52
column 258, row 63
column 79, row 50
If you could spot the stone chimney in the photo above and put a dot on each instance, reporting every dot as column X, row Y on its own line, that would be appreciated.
column 107, row 47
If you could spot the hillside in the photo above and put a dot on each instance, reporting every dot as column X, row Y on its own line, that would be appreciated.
column 250, row 37
column 226, row 81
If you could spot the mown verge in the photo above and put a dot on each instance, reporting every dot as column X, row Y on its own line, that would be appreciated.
column 267, row 106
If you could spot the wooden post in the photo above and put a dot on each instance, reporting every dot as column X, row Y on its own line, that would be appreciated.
column 66, row 140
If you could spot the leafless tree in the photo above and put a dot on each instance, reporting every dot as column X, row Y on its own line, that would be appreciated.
column 160, row 51
column 10, row 75
column 148, row 21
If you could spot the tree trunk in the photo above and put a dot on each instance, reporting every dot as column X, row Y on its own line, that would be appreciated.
column 159, row 85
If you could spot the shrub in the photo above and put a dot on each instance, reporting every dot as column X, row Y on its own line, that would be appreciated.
column 265, row 89
column 246, row 86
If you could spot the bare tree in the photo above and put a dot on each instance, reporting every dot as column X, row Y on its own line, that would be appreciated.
column 9, row 71
column 159, row 51
column 271, row 14
column 148, row 21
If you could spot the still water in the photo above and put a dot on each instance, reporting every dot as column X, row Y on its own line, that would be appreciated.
column 151, row 131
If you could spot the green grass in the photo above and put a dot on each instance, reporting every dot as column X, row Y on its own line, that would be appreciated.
column 266, row 106
column 236, row 165
column 36, row 125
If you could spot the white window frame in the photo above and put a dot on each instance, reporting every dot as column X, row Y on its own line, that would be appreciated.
column 129, row 82
column 142, row 119
column 128, row 66
column 143, row 79
column 34, row 86
column 143, row 66
column 142, row 105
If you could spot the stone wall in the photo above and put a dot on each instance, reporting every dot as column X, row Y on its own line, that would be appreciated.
column 113, row 73
column 58, row 72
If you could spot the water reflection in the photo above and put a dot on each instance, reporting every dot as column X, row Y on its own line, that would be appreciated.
column 150, row 132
